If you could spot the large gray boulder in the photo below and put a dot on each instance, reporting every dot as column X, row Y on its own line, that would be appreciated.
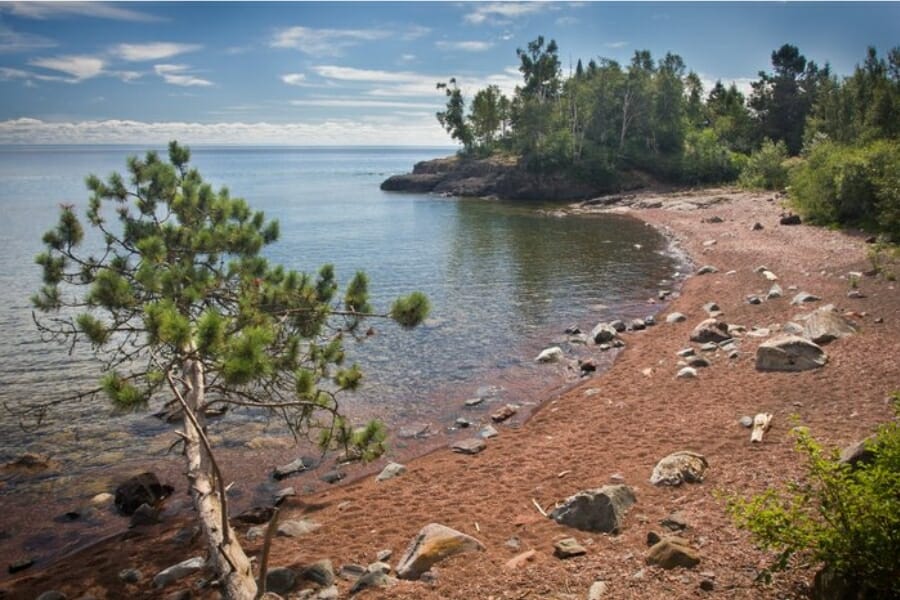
column 789, row 353
column 600, row 510
column 433, row 543
column 710, row 330
column 679, row 467
column 826, row 325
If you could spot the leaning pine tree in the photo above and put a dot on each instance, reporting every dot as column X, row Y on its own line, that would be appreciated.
column 177, row 301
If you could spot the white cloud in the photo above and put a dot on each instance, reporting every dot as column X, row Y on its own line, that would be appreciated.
column 8, row 74
column 465, row 46
column 294, row 79
column 370, row 75
column 99, row 10
column 615, row 44
column 152, row 51
column 78, row 67
column 407, row 58
column 400, row 130
column 325, row 42
column 361, row 103
column 179, row 75
column 503, row 12
column 13, row 41
column 566, row 21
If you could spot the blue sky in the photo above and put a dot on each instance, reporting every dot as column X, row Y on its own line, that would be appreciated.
column 348, row 73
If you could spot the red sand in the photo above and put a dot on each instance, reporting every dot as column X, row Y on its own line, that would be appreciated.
column 621, row 422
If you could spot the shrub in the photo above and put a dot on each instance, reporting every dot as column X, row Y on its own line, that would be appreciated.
column 850, row 185
column 847, row 517
column 707, row 159
column 766, row 168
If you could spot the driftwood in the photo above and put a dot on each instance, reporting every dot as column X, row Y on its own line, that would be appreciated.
column 761, row 424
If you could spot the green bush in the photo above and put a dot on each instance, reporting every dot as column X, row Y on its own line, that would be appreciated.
column 766, row 168
column 707, row 159
column 850, row 185
column 846, row 517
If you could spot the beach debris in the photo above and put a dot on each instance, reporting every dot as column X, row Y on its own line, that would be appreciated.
column 603, row 332
column 176, row 572
column 761, row 424
column 469, row 446
column 599, row 510
column 706, row 269
column 804, row 297
column 520, row 559
column 789, row 353
column 710, row 330
column 433, row 543
column 679, row 467
column 552, row 354
column 568, row 548
column 507, row 411
column 390, row 471
column 826, row 325
column 539, row 507
column 671, row 552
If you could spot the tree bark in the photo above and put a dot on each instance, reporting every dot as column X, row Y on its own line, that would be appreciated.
column 225, row 553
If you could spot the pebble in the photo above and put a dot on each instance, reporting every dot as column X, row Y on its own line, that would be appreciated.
column 687, row 373
column 568, row 548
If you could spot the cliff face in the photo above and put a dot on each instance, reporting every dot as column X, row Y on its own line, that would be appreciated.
column 496, row 176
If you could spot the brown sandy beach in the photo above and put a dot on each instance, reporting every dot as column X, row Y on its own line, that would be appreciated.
column 613, row 427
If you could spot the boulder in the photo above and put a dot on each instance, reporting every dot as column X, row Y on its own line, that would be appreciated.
column 679, row 467
column 710, row 330
column 860, row 453
column 675, row 317
column 599, row 510
column 140, row 489
column 602, row 333
column 826, row 325
column 789, row 353
column 789, row 219
column 552, row 354
column 390, row 471
column 280, row 580
column 671, row 552
column 432, row 544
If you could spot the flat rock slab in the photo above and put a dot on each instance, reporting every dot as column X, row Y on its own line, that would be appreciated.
column 679, row 467
column 504, row 413
column 390, row 471
column 568, row 548
column 432, row 544
column 469, row 446
column 297, row 528
column 826, row 325
column 599, row 510
column 789, row 353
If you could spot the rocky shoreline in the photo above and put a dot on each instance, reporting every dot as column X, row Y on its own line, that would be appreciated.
column 495, row 177
column 661, row 443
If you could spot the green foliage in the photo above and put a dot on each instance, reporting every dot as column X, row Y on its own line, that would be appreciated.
column 845, row 517
column 766, row 168
column 850, row 185
column 707, row 159
column 453, row 119
column 411, row 310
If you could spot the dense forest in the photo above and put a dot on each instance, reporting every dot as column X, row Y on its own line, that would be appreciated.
column 831, row 141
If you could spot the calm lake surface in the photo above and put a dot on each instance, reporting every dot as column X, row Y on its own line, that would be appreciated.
column 504, row 279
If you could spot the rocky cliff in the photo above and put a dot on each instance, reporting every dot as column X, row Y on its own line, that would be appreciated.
column 500, row 177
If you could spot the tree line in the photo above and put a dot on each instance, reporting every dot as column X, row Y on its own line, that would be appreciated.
column 800, row 126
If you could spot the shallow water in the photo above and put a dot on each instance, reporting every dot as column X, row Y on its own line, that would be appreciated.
column 504, row 280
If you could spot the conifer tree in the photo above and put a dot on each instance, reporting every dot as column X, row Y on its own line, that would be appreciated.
column 176, row 298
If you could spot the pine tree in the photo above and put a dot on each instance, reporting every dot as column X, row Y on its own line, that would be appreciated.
column 179, row 301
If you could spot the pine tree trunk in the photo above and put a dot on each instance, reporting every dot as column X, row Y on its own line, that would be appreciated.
column 225, row 553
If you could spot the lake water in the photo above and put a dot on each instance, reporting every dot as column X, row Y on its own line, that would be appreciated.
column 504, row 280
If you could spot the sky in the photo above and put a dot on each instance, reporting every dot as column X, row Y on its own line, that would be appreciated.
column 359, row 73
